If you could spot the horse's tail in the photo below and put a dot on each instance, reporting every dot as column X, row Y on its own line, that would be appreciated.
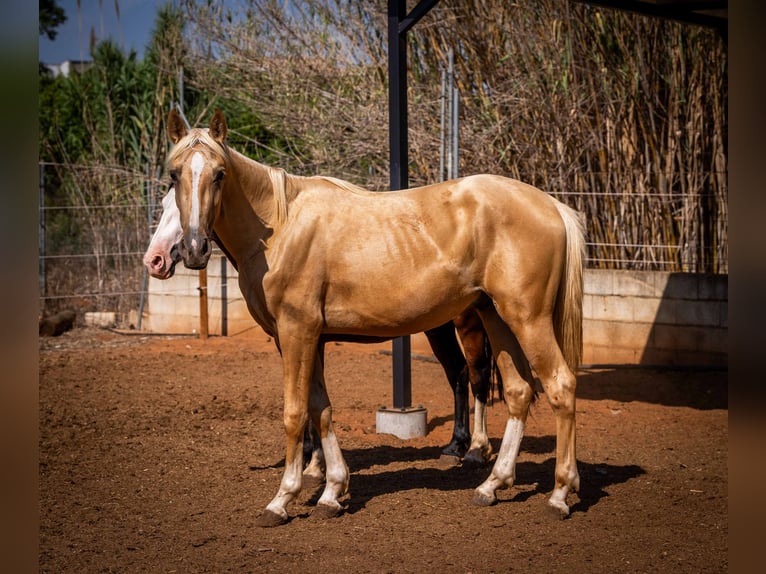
column 567, row 313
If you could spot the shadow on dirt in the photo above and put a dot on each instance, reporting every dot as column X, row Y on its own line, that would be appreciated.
column 702, row 389
column 531, row 477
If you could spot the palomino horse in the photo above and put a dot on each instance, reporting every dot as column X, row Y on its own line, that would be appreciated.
column 474, row 366
column 320, row 260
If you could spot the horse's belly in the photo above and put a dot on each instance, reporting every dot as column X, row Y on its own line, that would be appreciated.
column 394, row 308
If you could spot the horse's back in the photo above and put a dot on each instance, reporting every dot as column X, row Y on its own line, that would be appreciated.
column 457, row 223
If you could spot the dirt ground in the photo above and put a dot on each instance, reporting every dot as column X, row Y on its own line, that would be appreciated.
column 157, row 454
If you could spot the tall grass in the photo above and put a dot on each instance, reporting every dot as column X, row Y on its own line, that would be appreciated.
column 621, row 116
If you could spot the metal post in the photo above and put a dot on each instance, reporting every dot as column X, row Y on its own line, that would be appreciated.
column 443, row 135
column 397, row 115
column 203, row 321
column 450, row 110
column 224, row 300
column 455, row 132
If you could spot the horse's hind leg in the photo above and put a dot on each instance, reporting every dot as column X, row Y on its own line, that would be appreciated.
column 541, row 348
column 447, row 351
column 479, row 365
column 518, row 393
column 536, row 337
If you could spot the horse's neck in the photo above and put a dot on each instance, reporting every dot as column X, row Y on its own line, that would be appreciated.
column 248, row 213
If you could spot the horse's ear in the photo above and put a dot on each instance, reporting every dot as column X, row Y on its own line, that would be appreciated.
column 218, row 126
column 176, row 126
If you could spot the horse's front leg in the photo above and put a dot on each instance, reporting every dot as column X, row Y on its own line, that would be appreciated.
column 337, row 473
column 299, row 352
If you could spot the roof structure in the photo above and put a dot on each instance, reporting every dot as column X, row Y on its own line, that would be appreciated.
column 710, row 13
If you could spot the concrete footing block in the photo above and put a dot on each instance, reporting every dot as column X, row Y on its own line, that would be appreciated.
column 404, row 423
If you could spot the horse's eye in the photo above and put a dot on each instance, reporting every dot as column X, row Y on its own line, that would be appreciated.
column 174, row 176
column 218, row 176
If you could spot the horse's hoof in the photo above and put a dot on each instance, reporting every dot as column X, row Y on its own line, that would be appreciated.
column 455, row 450
column 325, row 511
column 474, row 458
column 556, row 511
column 270, row 519
column 480, row 499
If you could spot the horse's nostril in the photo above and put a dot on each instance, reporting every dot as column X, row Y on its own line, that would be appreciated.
column 158, row 262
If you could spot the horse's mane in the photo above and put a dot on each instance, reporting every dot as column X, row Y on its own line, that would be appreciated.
column 195, row 137
column 279, row 187
column 344, row 184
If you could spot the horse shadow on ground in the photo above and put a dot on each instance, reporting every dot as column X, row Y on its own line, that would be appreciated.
column 697, row 388
column 532, row 478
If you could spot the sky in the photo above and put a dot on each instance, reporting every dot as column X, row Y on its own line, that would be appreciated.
column 132, row 31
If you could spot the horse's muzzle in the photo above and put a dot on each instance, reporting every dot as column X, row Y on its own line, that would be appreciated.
column 195, row 250
column 159, row 266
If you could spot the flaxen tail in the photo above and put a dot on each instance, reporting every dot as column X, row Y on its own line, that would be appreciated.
column 567, row 314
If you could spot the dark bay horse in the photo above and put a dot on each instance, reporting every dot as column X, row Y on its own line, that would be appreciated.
column 320, row 260
column 466, row 363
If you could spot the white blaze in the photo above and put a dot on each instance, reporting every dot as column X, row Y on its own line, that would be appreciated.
column 197, row 164
column 169, row 229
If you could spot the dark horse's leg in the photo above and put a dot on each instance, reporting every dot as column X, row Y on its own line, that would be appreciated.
column 446, row 349
column 478, row 356
column 313, row 473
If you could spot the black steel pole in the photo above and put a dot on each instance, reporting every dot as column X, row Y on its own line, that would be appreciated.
column 397, row 119
column 399, row 22
column 224, row 299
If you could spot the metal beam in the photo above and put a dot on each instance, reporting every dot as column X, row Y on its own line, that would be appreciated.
column 397, row 125
column 423, row 7
column 709, row 13
column 399, row 22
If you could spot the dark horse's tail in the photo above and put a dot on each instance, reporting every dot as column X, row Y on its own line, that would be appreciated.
column 494, row 376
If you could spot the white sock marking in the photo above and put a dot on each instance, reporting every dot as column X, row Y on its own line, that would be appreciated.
column 505, row 465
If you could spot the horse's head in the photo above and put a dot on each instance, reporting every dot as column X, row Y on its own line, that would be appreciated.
column 197, row 167
column 162, row 254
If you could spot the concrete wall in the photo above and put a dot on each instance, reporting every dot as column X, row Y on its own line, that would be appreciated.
column 173, row 305
column 655, row 318
column 630, row 317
